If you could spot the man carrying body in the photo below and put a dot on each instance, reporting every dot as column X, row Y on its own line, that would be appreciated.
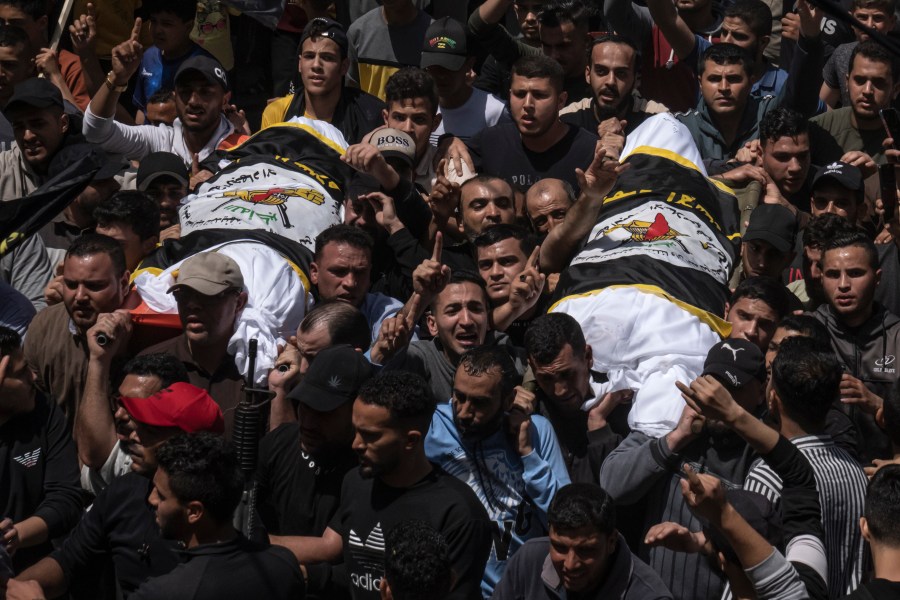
column 510, row 460
column 323, row 62
column 95, row 281
column 210, row 295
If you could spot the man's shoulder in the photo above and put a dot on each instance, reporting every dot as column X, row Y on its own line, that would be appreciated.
column 838, row 118
column 645, row 584
column 169, row 346
column 368, row 21
column 47, row 321
column 455, row 494
column 281, row 440
column 583, row 136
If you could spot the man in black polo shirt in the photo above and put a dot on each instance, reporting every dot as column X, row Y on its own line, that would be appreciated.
column 196, row 490
column 120, row 527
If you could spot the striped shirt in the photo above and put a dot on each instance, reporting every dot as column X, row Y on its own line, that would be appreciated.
column 842, row 492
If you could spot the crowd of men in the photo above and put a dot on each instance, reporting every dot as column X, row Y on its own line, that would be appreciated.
column 507, row 383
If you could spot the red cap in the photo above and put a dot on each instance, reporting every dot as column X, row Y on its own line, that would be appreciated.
column 180, row 405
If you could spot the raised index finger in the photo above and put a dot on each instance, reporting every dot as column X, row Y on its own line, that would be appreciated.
column 438, row 247
column 136, row 30
column 534, row 260
column 410, row 316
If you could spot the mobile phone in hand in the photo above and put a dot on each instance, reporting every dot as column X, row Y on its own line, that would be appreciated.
column 890, row 118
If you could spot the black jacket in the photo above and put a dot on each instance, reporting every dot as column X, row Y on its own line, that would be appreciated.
column 869, row 353
column 356, row 114
column 39, row 474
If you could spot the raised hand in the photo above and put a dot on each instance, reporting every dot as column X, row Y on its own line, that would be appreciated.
column 854, row 391
column 83, row 32
column 47, row 62
column 444, row 198
column 526, row 290
column 432, row 275
column 709, row 398
column 126, row 57
column 810, row 19
column 198, row 175
column 675, row 537
column 367, row 158
column 286, row 371
column 396, row 331
column 385, row 211
column 704, row 493
column 238, row 119
column 600, row 176
column 114, row 329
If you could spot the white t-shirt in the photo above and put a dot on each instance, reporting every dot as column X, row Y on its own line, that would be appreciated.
column 480, row 111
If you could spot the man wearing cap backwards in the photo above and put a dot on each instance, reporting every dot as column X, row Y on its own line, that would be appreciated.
column 196, row 490
column 323, row 62
column 209, row 291
column 201, row 97
column 121, row 527
column 644, row 469
column 465, row 110
column 302, row 464
column 165, row 178
column 865, row 336
column 767, row 247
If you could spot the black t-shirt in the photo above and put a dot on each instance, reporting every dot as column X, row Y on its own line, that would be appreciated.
column 370, row 509
column 586, row 118
column 499, row 151
column 888, row 291
column 297, row 494
column 877, row 589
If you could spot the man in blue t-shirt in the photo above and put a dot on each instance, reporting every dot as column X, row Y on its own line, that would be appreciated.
column 171, row 22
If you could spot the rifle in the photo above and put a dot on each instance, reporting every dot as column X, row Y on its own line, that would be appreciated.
column 245, row 437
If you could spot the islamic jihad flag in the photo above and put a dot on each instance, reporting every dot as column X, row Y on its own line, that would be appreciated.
column 21, row 218
column 287, row 180
column 664, row 227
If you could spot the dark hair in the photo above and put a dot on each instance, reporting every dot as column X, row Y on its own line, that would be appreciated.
column 417, row 562
column 875, row 52
column 411, row 82
column 807, row 380
column 883, row 506
column 90, row 244
column 503, row 231
column 161, row 96
column 133, row 208
column 769, row 290
column 344, row 322
column 614, row 38
column 404, row 394
column 203, row 467
column 576, row 12
column 484, row 359
column 463, row 276
column 754, row 13
column 580, row 505
column 33, row 8
column 186, row 11
column 808, row 327
column 888, row 6
column 547, row 335
column 12, row 36
column 344, row 234
column 782, row 122
column 539, row 66
column 10, row 341
column 856, row 239
column 164, row 366
column 824, row 228
column 891, row 409
column 726, row 54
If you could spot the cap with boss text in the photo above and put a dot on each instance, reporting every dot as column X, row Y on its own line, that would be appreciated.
column 735, row 362
column 333, row 379
column 841, row 173
column 180, row 405
column 327, row 28
column 211, row 70
column 35, row 92
column 393, row 143
column 209, row 273
column 774, row 224
column 445, row 45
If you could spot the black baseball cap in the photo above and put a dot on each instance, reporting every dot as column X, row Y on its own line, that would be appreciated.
column 35, row 92
column 327, row 28
column 772, row 223
column 211, row 70
column 735, row 362
column 161, row 164
column 843, row 174
column 333, row 379
column 445, row 45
